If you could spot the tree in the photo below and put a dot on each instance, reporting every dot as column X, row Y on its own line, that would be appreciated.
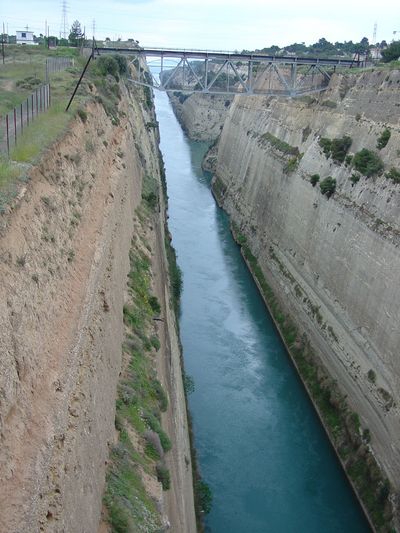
column 392, row 52
column 76, row 35
column 363, row 46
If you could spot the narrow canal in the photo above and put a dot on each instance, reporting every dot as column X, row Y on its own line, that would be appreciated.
column 260, row 446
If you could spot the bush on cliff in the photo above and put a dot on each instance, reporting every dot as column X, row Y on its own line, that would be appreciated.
column 367, row 162
column 314, row 179
column 394, row 175
column 383, row 139
column 336, row 148
column 328, row 186
column 114, row 65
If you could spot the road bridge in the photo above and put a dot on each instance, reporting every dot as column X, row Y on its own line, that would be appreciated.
column 220, row 72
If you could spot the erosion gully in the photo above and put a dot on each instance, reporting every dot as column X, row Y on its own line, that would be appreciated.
column 259, row 443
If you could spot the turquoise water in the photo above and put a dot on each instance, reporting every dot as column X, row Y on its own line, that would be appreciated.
column 260, row 445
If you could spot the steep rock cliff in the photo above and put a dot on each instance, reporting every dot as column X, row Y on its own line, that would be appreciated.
column 201, row 115
column 64, row 263
column 333, row 262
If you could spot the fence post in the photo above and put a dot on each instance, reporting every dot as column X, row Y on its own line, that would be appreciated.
column 8, row 138
column 22, row 120
column 15, row 126
column 27, row 111
column 32, row 105
column 49, row 95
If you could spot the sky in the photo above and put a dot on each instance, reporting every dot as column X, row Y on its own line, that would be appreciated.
column 211, row 24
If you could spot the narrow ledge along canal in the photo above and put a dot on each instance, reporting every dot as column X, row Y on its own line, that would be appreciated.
column 259, row 443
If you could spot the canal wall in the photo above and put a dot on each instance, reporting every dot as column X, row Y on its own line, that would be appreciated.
column 330, row 260
column 201, row 116
column 65, row 253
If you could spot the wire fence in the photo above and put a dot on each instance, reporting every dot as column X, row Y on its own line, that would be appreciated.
column 12, row 125
column 57, row 64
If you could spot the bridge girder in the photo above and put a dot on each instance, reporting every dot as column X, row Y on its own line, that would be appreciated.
column 232, row 73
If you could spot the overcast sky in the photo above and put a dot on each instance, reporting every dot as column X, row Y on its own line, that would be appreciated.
column 212, row 24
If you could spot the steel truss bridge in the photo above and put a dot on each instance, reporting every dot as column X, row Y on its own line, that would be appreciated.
column 230, row 72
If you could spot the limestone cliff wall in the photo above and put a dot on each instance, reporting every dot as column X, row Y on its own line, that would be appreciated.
column 201, row 115
column 333, row 262
column 64, row 258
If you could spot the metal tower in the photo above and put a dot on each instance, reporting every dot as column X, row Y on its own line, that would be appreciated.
column 64, row 20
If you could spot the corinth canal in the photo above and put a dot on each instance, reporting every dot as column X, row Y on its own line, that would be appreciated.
column 259, row 442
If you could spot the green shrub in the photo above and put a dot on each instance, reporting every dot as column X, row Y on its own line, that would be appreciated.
column 325, row 144
column 367, row 162
column 291, row 165
column 328, row 186
column 348, row 159
column 314, row 179
column 371, row 375
column 155, row 342
column 155, row 425
column 205, row 496
column 280, row 145
column 340, row 147
column 82, row 114
column 336, row 148
column 163, row 476
column 391, row 53
column 394, row 175
column 154, row 304
column 383, row 139
column 122, row 63
column 188, row 384
column 354, row 178
column 107, row 65
column 162, row 399
column 367, row 435
column 151, row 451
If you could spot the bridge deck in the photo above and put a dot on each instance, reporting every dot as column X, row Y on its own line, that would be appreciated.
column 233, row 56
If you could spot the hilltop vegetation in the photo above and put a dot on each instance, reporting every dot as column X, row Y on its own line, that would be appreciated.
column 323, row 48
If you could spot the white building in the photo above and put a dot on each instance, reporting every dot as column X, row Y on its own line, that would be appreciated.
column 25, row 37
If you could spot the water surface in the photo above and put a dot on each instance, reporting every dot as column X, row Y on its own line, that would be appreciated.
column 260, row 445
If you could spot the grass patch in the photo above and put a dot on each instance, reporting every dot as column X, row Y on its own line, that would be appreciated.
column 46, row 128
column 280, row 145
column 129, row 506
column 141, row 400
